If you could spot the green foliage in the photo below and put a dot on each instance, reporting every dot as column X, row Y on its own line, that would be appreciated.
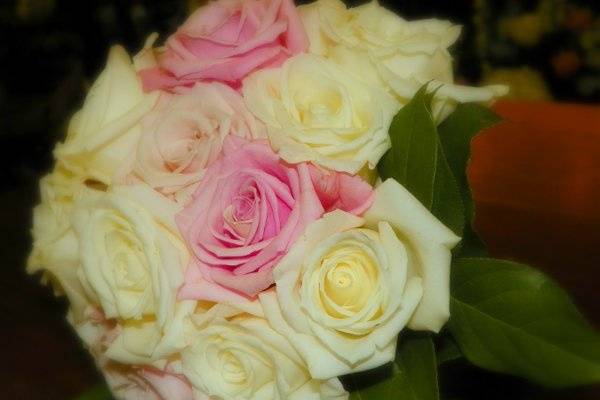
column 448, row 350
column 510, row 318
column 412, row 160
column 417, row 161
column 447, row 204
column 456, row 133
column 505, row 317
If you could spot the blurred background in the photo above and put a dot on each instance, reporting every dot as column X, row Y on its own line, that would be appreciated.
column 536, row 178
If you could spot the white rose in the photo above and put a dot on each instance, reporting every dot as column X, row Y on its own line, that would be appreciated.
column 147, row 342
column 130, row 252
column 207, row 311
column 132, row 261
column 162, row 380
column 145, row 384
column 185, row 133
column 128, row 383
column 350, row 284
column 380, row 47
column 246, row 359
column 104, row 132
column 55, row 245
column 315, row 111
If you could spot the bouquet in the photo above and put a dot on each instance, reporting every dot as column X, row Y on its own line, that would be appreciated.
column 275, row 201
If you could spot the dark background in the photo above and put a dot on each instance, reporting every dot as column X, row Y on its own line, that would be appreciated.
column 50, row 51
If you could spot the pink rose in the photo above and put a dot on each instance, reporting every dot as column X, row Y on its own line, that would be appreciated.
column 246, row 213
column 184, row 135
column 226, row 40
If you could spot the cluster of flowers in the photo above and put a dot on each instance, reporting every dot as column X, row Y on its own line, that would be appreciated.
column 214, row 215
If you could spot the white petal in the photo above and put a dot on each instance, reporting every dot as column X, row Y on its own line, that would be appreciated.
column 431, row 243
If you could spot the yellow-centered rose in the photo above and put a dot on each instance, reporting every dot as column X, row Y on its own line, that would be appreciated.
column 351, row 284
column 315, row 111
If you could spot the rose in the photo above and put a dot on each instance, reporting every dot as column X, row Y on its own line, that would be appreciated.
column 129, row 381
column 104, row 132
column 246, row 358
column 134, row 343
column 146, row 383
column 226, row 40
column 246, row 213
column 315, row 111
column 184, row 135
column 131, row 256
column 377, row 45
column 96, row 331
column 100, row 136
column 55, row 244
column 147, row 342
column 208, row 311
column 132, row 263
column 349, row 285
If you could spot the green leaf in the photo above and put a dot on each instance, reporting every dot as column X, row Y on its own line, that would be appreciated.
column 98, row 392
column 413, row 157
column 447, row 203
column 412, row 376
column 448, row 350
column 510, row 318
column 456, row 133
column 417, row 161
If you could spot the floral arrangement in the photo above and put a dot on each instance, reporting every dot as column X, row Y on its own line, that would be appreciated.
column 273, row 202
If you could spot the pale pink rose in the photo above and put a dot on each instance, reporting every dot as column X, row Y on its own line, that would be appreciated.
column 247, row 212
column 146, row 383
column 185, row 133
column 226, row 40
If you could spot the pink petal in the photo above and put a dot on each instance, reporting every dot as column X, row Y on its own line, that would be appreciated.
column 341, row 191
column 296, row 39
column 288, row 202
column 227, row 40
column 248, row 284
column 205, row 290
column 168, row 386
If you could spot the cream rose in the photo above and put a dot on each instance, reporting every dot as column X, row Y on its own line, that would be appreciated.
column 246, row 359
column 315, row 111
column 380, row 47
column 351, row 284
column 161, row 380
column 145, row 383
column 132, row 261
column 55, row 245
column 147, row 342
column 130, row 252
column 185, row 133
column 105, row 131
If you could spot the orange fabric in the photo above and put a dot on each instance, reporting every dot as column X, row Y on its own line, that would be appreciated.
column 536, row 184
column 567, row 117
